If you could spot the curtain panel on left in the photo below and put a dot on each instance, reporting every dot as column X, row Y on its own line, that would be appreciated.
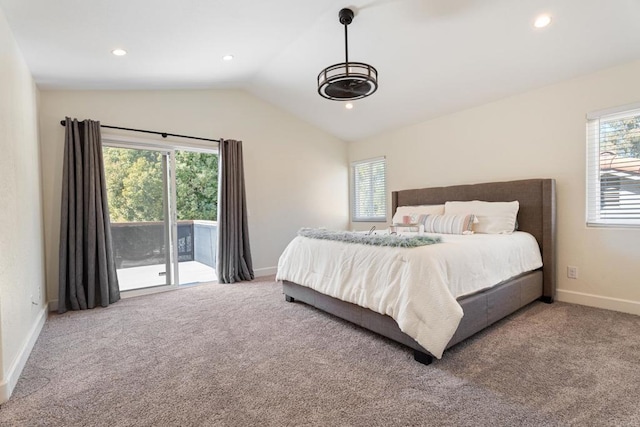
column 87, row 267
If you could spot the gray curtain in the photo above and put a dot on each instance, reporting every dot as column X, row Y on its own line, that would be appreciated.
column 87, row 266
column 234, row 255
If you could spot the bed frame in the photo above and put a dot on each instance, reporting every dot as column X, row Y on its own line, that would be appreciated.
column 537, row 216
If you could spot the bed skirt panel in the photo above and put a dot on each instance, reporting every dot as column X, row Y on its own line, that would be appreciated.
column 480, row 309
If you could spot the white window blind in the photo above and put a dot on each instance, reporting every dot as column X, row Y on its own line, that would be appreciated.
column 369, row 190
column 613, row 167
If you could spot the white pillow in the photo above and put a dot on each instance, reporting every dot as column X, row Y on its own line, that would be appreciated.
column 493, row 217
column 415, row 211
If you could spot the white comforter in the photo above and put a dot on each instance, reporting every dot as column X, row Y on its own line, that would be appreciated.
column 417, row 287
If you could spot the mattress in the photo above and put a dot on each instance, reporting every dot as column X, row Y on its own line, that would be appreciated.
column 417, row 287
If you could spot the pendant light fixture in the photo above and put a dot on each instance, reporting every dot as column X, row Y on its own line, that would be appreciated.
column 347, row 81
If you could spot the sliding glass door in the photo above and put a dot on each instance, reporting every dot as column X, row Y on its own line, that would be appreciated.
column 139, row 187
column 197, row 211
column 163, row 206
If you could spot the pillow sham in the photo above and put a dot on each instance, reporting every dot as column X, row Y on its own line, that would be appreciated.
column 493, row 217
column 448, row 224
column 415, row 211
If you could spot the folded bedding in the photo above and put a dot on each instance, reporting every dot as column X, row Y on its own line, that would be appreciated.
column 418, row 286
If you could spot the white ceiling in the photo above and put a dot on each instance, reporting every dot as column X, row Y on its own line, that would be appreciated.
column 433, row 56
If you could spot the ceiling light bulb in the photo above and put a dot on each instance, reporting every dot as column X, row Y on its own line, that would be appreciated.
column 348, row 106
column 227, row 57
column 542, row 21
column 119, row 52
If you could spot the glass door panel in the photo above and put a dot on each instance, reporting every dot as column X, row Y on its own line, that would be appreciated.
column 138, row 185
column 197, row 209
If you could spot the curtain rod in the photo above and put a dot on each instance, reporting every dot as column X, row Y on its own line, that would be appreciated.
column 163, row 134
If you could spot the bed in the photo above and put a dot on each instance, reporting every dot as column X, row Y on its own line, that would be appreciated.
column 536, row 216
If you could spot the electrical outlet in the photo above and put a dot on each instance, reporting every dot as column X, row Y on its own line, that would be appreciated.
column 572, row 272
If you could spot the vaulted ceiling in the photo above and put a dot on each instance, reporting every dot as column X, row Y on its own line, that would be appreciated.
column 433, row 56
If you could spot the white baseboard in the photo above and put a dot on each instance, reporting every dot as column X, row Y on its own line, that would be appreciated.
column 53, row 305
column 608, row 303
column 267, row 271
column 8, row 384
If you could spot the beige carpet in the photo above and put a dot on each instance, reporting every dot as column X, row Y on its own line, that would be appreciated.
column 239, row 355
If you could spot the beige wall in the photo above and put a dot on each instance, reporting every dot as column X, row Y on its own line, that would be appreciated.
column 296, row 175
column 22, row 299
column 538, row 134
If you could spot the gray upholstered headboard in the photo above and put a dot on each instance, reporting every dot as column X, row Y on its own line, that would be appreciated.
column 537, row 214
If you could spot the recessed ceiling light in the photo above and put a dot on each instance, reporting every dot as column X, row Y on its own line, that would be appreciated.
column 348, row 106
column 227, row 57
column 119, row 52
column 542, row 21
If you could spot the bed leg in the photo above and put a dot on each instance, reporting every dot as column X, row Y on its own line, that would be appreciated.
column 423, row 358
column 287, row 298
column 546, row 299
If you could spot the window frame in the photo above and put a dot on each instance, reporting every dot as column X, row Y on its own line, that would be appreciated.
column 593, row 171
column 352, row 204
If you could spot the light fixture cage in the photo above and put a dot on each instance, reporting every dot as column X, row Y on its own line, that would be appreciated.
column 347, row 81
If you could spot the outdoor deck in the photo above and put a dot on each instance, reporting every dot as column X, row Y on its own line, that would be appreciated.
column 147, row 276
column 140, row 250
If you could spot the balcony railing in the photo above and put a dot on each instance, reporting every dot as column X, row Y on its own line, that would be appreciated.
column 140, row 250
column 138, row 244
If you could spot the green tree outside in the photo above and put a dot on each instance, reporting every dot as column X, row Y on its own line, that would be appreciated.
column 197, row 185
column 621, row 136
column 135, row 185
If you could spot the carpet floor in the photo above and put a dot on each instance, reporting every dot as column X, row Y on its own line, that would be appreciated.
column 239, row 355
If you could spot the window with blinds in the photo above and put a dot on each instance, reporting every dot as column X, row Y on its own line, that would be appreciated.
column 613, row 167
column 369, row 190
